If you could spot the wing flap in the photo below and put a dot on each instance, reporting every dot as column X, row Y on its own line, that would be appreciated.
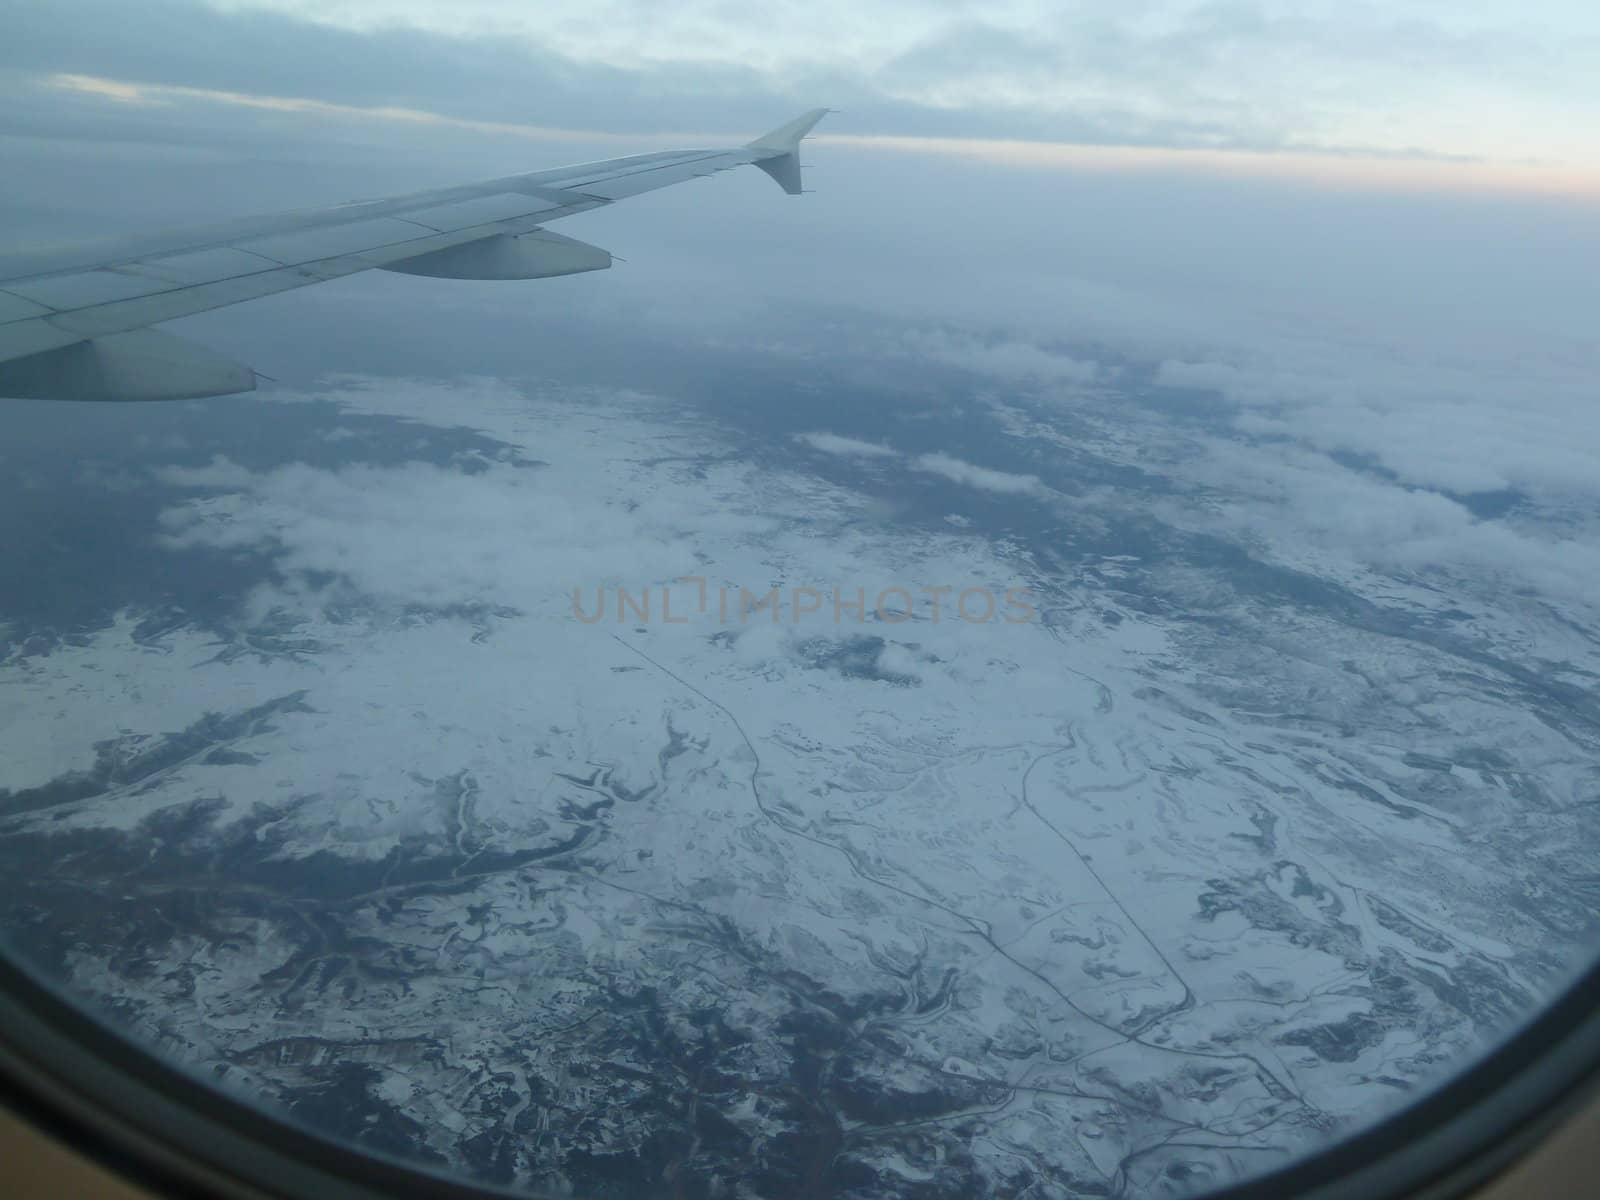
column 309, row 245
column 480, row 210
column 15, row 308
column 201, row 266
column 63, row 293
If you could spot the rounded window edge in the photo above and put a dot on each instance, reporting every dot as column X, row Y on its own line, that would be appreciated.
column 119, row 1105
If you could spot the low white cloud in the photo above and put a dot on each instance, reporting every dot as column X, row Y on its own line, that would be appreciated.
column 764, row 646
column 221, row 472
column 1526, row 425
column 846, row 447
column 983, row 478
column 422, row 534
column 1005, row 359
column 899, row 660
column 1302, row 506
column 416, row 533
column 630, row 497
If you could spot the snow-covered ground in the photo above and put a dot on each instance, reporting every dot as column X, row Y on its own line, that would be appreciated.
column 1167, row 878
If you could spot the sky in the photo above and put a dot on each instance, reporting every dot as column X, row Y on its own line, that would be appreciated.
column 1491, row 79
column 1486, row 80
column 1367, row 233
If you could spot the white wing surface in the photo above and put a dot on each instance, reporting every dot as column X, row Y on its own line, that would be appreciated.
column 75, row 321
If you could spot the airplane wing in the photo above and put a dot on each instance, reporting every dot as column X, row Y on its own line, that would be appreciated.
column 74, row 321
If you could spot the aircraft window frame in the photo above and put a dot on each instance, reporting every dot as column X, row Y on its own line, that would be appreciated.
column 117, row 1103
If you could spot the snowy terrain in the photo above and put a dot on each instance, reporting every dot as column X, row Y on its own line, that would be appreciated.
column 1246, row 833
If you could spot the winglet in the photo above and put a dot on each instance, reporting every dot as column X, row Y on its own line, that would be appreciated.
column 780, row 150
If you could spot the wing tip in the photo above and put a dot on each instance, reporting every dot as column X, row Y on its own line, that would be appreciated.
column 778, row 152
column 785, row 139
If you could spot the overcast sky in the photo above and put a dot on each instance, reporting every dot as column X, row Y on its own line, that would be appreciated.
column 1493, row 80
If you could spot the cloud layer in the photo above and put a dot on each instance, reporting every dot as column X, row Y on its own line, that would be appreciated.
column 1490, row 80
